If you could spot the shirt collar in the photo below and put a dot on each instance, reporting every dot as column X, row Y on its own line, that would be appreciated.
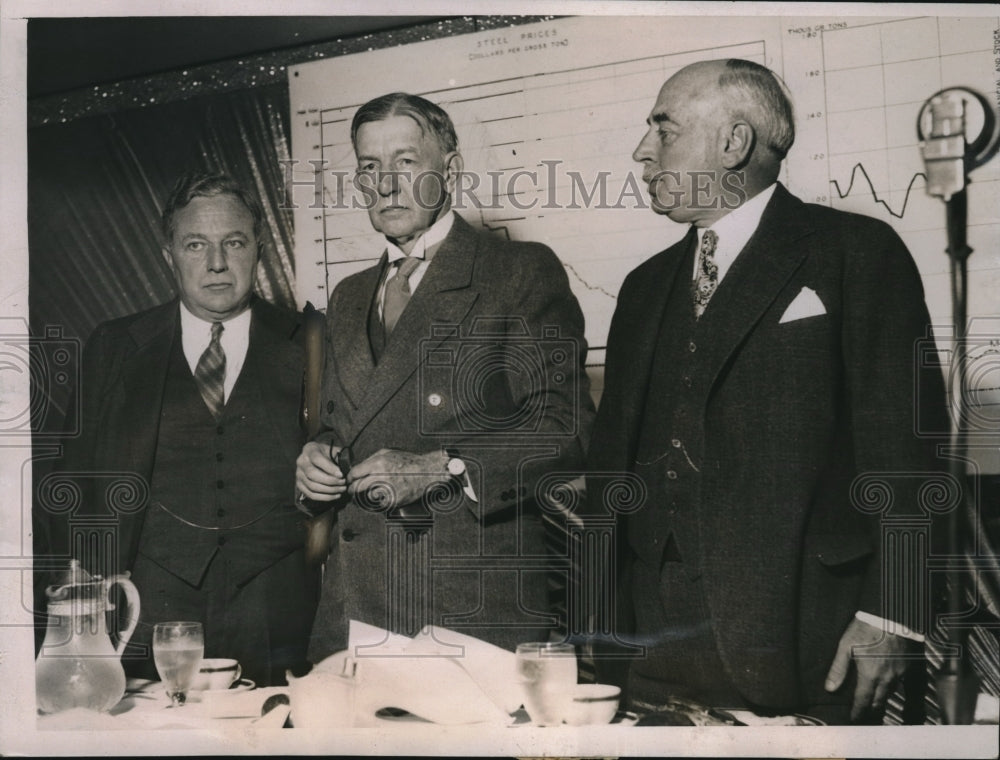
column 431, row 236
column 192, row 325
column 737, row 227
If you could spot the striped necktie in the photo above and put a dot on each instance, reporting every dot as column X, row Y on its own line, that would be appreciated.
column 210, row 374
column 397, row 293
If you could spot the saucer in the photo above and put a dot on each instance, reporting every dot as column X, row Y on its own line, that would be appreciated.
column 624, row 718
column 244, row 684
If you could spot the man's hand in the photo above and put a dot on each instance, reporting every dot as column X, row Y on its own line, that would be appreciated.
column 394, row 478
column 317, row 476
column 879, row 658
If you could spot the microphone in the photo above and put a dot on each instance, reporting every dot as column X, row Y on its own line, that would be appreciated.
column 949, row 155
column 944, row 148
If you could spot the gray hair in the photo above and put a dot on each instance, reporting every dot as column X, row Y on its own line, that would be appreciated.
column 431, row 118
column 755, row 93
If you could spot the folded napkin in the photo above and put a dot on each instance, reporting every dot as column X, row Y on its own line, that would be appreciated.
column 987, row 709
column 492, row 669
column 441, row 676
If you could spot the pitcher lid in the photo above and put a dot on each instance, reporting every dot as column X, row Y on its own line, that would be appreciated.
column 73, row 577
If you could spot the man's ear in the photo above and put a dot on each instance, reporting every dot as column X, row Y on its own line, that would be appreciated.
column 452, row 169
column 737, row 145
column 168, row 257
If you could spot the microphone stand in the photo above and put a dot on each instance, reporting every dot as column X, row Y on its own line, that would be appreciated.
column 949, row 157
column 957, row 684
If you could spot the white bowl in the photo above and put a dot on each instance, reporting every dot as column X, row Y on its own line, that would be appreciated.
column 593, row 704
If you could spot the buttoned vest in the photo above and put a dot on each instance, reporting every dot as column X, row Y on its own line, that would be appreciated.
column 670, row 437
column 220, row 486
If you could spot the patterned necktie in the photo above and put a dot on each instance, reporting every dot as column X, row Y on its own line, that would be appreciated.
column 708, row 273
column 210, row 374
column 397, row 292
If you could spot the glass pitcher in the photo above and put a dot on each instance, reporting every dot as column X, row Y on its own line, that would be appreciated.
column 77, row 665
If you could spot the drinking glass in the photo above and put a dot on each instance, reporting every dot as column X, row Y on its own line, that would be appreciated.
column 547, row 673
column 178, row 647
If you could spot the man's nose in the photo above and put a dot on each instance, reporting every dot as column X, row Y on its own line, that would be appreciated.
column 388, row 183
column 644, row 151
column 216, row 259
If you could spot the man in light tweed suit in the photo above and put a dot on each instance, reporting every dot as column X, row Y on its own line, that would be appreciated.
column 454, row 381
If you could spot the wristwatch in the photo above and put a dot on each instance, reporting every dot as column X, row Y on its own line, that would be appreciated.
column 456, row 466
column 457, row 469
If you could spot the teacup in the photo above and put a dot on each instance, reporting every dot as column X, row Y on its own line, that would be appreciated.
column 217, row 673
column 593, row 704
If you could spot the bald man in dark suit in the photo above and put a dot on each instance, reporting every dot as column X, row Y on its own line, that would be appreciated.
column 757, row 371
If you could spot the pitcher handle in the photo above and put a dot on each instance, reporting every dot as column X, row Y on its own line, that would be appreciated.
column 132, row 598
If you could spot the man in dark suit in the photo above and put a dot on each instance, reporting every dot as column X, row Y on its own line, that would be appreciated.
column 759, row 372
column 194, row 406
column 454, row 382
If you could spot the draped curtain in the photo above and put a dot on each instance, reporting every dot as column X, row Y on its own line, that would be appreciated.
column 96, row 189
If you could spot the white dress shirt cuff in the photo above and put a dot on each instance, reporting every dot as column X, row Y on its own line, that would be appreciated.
column 467, row 488
column 889, row 626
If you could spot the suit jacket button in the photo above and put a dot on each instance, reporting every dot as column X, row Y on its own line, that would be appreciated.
column 329, row 407
column 348, row 534
column 675, row 443
column 671, row 474
column 222, row 541
column 692, row 347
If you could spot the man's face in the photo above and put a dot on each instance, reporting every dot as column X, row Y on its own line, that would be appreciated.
column 681, row 152
column 406, row 177
column 213, row 255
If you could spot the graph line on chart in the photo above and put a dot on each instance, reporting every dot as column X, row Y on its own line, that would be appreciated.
column 587, row 285
column 876, row 76
column 859, row 168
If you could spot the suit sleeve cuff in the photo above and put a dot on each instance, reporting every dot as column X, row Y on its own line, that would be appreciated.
column 464, row 479
column 889, row 626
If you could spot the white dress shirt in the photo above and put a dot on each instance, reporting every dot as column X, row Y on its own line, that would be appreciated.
column 196, row 334
column 431, row 237
column 735, row 230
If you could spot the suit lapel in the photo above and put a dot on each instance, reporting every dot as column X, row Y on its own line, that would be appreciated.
column 642, row 325
column 443, row 300
column 277, row 362
column 144, row 373
column 351, row 349
column 756, row 278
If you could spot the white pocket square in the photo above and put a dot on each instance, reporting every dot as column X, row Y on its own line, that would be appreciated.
column 806, row 304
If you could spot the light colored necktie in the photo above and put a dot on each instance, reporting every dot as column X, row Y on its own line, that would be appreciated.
column 397, row 293
column 210, row 374
column 708, row 273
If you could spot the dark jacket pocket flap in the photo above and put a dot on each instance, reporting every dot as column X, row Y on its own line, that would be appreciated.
column 833, row 550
